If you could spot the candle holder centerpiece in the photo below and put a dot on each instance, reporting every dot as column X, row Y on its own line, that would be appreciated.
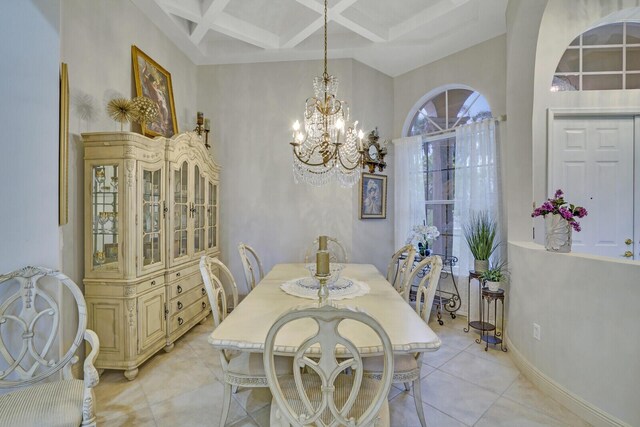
column 323, row 272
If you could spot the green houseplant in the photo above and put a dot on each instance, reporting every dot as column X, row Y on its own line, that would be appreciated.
column 494, row 275
column 480, row 234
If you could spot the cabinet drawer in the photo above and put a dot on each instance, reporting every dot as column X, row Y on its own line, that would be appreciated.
column 182, row 273
column 184, row 285
column 184, row 300
column 186, row 315
column 155, row 283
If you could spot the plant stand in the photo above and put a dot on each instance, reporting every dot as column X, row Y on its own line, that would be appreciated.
column 496, row 338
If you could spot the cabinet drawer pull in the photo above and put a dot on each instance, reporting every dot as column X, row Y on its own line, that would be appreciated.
column 180, row 321
column 179, row 305
column 178, row 274
column 204, row 305
column 203, row 291
column 153, row 282
column 179, row 289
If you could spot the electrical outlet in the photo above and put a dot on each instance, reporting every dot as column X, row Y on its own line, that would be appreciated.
column 536, row 331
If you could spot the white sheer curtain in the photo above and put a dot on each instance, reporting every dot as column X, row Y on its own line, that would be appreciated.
column 477, row 184
column 409, row 187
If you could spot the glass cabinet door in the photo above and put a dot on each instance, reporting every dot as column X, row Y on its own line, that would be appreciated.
column 151, row 217
column 104, row 214
column 198, row 211
column 212, row 215
column 180, row 210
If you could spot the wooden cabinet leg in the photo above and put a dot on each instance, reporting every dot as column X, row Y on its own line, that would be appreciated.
column 131, row 374
column 169, row 347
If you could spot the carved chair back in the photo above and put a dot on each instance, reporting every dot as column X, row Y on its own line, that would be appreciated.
column 215, row 290
column 428, row 270
column 337, row 253
column 30, row 325
column 210, row 264
column 250, row 261
column 324, row 395
column 399, row 270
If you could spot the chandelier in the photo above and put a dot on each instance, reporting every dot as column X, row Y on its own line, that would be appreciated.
column 328, row 147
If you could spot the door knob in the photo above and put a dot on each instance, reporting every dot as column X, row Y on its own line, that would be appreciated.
column 628, row 242
column 628, row 254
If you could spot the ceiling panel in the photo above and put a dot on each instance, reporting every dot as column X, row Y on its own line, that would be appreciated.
column 385, row 14
column 278, row 17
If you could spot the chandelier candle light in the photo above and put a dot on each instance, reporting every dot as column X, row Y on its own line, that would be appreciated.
column 328, row 146
column 322, row 269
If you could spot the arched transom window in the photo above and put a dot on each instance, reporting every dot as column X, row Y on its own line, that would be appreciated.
column 602, row 58
column 447, row 110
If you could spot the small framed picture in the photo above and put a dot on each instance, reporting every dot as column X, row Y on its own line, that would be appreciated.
column 111, row 252
column 154, row 82
column 373, row 196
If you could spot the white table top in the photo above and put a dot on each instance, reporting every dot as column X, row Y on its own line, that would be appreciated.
column 247, row 326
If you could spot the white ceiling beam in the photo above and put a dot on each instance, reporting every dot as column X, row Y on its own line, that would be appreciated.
column 422, row 18
column 242, row 30
column 188, row 10
column 373, row 36
column 209, row 14
column 292, row 41
column 333, row 14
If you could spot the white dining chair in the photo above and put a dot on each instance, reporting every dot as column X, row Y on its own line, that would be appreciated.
column 399, row 270
column 241, row 369
column 210, row 265
column 30, row 317
column 408, row 367
column 250, row 262
column 319, row 392
column 337, row 252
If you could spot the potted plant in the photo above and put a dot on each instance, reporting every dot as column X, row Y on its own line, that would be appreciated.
column 560, row 220
column 480, row 234
column 494, row 275
column 420, row 237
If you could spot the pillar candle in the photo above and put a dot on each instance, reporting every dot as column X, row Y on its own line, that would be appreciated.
column 322, row 263
column 200, row 117
column 322, row 243
column 207, row 124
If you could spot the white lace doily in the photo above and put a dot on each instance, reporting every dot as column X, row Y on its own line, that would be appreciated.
column 343, row 288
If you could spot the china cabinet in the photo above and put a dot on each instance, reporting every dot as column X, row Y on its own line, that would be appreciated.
column 151, row 212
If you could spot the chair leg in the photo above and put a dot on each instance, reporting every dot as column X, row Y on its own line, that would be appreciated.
column 226, row 403
column 417, row 398
column 407, row 386
column 235, row 389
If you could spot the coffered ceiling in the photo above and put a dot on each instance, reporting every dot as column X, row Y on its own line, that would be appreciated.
column 392, row 36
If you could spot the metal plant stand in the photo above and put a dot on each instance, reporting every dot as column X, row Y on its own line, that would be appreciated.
column 476, row 324
column 448, row 301
column 496, row 338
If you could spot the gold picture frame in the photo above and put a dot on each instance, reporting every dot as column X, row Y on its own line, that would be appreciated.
column 154, row 82
column 373, row 196
column 63, row 172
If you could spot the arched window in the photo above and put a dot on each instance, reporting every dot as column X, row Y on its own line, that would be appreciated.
column 437, row 120
column 447, row 110
column 606, row 57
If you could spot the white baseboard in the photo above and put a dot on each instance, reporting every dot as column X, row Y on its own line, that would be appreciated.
column 574, row 403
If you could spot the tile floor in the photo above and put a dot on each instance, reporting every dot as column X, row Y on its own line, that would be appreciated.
column 462, row 385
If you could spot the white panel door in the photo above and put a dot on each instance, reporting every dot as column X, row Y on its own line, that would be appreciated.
column 592, row 161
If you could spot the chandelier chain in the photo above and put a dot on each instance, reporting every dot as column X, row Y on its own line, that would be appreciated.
column 326, row 74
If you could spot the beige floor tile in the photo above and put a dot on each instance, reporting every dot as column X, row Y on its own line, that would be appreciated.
column 484, row 373
column 253, row 398
column 403, row 412
column 455, row 338
column 117, row 396
column 174, row 377
column 198, row 407
column 525, row 393
column 508, row 413
column 261, row 416
column 426, row 370
column 139, row 418
column 455, row 397
column 439, row 357
column 245, row 422
column 493, row 354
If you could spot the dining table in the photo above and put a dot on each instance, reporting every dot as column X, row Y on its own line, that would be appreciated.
column 246, row 327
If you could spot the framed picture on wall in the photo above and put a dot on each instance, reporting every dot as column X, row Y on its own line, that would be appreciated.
column 154, row 82
column 373, row 196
